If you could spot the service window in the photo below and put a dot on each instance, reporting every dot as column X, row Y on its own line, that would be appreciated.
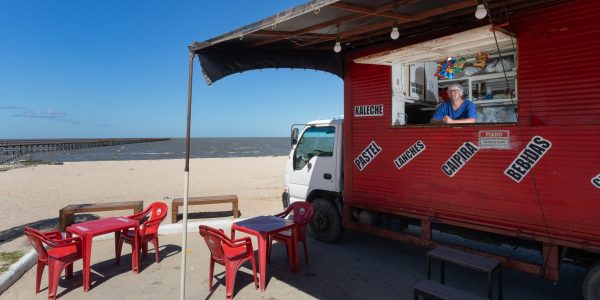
column 421, row 74
column 316, row 141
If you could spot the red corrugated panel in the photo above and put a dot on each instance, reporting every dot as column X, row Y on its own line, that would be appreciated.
column 559, row 88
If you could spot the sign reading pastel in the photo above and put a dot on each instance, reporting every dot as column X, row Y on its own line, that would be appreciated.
column 459, row 159
column 533, row 152
column 367, row 156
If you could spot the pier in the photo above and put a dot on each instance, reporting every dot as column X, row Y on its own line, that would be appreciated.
column 12, row 150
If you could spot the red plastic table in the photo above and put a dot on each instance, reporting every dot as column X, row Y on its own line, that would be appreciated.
column 87, row 231
column 262, row 227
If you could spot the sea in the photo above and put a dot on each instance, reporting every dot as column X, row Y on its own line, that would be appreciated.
column 174, row 149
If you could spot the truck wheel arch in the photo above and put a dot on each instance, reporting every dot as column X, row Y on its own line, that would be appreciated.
column 591, row 282
column 326, row 225
column 333, row 197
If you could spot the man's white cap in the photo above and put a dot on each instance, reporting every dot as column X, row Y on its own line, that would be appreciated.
column 456, row 86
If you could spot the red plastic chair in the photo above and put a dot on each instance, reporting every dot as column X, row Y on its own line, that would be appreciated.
column 148, row 231
column 229, row 253
column 303, row 213
column 61, row 253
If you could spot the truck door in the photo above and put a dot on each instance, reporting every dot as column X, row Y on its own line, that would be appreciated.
column 313, row 162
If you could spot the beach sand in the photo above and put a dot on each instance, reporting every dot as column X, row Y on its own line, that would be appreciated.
column 36, row 194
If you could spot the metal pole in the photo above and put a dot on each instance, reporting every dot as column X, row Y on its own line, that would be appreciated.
column 186, row 180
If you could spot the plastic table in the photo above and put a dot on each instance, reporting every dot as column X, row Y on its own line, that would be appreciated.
column 87, row 230
column 262, row 227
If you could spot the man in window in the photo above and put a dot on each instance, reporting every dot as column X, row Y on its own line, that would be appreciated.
column 455, row 111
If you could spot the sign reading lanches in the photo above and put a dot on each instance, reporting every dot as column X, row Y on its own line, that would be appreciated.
column 409, row 154
column 533, row 152
column 368, row 110
column 367, row 156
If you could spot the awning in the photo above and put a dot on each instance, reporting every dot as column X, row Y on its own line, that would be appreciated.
column 466, row 43
column 304, row 36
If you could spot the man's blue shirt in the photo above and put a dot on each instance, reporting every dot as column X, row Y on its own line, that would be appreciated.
column 466, row 110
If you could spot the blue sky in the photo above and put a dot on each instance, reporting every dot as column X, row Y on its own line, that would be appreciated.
column 119, row 69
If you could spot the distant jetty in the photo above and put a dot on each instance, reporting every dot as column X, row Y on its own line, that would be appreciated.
column 12, row 150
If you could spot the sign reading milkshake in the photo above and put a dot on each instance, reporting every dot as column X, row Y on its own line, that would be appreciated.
column 368, row 110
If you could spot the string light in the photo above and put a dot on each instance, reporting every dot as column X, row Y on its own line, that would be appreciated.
column 338, row 47
column 481, row 12
column 395, row 34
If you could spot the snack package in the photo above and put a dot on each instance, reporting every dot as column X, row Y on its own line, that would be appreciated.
column 460, row 63
column 505, row 63
column 491, row 66
column 441, row 68
column 481, row 59
column 470, row 71
column 447, row 68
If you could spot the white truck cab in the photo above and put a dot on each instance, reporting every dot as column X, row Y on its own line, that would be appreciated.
column 314, row 173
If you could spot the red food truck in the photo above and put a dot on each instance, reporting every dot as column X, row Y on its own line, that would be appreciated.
column 525, row 174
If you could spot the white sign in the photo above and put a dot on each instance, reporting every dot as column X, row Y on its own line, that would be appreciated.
column 494, row 139
column 459, row 159
column 409, row 154
column 368, row 110
column 367, row 156
column 596, row 181
column 533, row 152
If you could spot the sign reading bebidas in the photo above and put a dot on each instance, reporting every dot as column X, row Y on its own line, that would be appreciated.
column 409, row 154
column 596, row 181
column 368, row 110
column 533, row 152
column 494, row 139
column 459, row 159
column 367, row 156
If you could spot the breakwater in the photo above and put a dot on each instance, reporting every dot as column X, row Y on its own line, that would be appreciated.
column 13, row 150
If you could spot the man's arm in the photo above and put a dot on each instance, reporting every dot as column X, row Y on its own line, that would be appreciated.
column 461, row 121
column 436, row 121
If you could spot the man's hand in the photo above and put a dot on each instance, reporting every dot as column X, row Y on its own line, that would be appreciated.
column 447, row 120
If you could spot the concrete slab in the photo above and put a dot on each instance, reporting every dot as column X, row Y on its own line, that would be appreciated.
column 356, row 267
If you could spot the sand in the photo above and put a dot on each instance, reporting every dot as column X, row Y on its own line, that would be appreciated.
column 37, row 193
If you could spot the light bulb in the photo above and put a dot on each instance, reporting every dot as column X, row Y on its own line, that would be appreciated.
column 395, row 34
column 338, row 47
column 481, row 12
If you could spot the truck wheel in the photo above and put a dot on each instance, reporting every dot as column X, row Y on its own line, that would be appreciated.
column 327, row 223
column 591, row 282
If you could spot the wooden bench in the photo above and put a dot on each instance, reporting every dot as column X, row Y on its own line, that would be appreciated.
column 467, row 260
column 432, row 290
column 66, row 215
column 177, row 202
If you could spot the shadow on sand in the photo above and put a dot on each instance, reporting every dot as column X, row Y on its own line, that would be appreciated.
column 209, row 214
column 359, row 266
column 43, row 225
column 105, row 270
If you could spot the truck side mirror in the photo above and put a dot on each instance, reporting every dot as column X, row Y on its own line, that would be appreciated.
column 295, row 132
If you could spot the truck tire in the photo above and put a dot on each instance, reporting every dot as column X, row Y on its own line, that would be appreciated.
column 327, row 222
column 591, row 282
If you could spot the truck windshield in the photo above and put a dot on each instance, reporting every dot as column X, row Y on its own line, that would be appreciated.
column 316, row 141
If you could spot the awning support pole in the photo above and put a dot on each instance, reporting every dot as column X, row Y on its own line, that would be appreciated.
column 186, row 180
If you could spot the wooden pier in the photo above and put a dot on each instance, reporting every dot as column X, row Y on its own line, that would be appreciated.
column 11, row 150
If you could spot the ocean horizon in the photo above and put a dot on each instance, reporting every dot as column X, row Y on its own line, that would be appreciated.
column 174, row 148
